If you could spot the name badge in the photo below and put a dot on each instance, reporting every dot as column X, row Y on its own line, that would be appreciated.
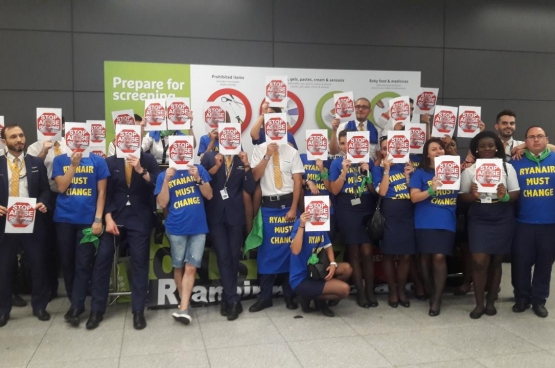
column 485, row 198
column 355, row 201
column 224, row 194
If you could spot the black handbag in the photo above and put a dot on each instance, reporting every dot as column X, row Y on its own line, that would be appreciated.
column 318, row 270
column 375, row 225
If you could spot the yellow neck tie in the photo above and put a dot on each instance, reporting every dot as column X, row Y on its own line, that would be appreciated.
column 228, row 163
column 360, row 127
column 57, row 150
column 277, row 171
column 14, row 185
column 128, row 173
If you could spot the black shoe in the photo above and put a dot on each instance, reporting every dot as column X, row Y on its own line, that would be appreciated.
column 4, row 319
column 260, row 305
column 491, row 311
column 139, row 321
column 234, row 311
column 94, row 320
column 373, row 303
column 539, row 310
column 333, row 303
column 41, row 314
column 322, row 306
column 477, row 315
column 520, row 306
column 405, row 304
column 305, row 305
column 291, row 304
column 72, row 316
column 393, row 304
column 434, row 313
column 224, row 307
column 422, row 297
column 18, row 301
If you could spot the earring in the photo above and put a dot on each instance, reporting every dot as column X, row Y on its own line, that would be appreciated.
column 496, row 150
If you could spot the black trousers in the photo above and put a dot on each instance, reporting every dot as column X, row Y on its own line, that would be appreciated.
column 227, row 241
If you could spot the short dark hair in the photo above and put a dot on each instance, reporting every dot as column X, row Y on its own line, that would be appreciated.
column 343, row 133
column 138, row 117
column 426, row 162
column 503, row 113
column 525, row 134
column 364, row 99
column 411, row 100
column 276, row 109
column 10, row 126
column 488, row 134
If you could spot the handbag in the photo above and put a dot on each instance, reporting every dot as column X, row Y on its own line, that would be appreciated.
column 375, row 225
column 318, row 270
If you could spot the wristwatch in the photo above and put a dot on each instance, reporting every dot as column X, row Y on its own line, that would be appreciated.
column 334, row 264
column 200, row 182
column 266, row 158
column 97, row 220
column 144, row 172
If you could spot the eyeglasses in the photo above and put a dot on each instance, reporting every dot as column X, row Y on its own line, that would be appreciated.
column 534, row 137
column 362, row 107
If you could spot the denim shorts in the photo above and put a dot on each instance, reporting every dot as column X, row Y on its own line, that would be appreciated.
column 186, row 249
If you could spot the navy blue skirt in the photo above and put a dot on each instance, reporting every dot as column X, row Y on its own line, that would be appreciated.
column 398, row 237
column 435, row 241
column 491, row 227
column 351, row 219
column 310, row 288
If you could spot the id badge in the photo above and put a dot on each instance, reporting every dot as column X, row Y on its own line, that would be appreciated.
column 355, row 201
column 485, row 198
column 224, row 194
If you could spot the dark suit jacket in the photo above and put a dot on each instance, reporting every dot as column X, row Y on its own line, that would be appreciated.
column 37, row 185
column 140, row 194
column 231, row 210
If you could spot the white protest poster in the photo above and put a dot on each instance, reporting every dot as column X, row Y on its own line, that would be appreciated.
column 469, row 121
column 344, row 106
column 275, row 127
column 78, row 138
column 155, row 115
column 399, row 110
column 98, row 132
column 276, row 91
column 229, row 135
column 128, row 140
column 1, row 127
column 398, row 146
column 123, row 117
column 99, row 150
column 358, row 147
column 49, row 124
column 448, row 171
column 181, row 151
column 319, row 209
column 20, row 218
column 426, row 100
column 214, row 114
column 417, row 137
column 178, row 110
column 445, row 119
column 317, row 144
column 488, row 174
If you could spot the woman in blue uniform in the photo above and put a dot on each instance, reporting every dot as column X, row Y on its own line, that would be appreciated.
column 491, row 221
column 434, row 222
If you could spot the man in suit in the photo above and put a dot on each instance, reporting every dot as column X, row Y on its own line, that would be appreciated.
column 129, row 214
column 225, row 212
column 22, row 176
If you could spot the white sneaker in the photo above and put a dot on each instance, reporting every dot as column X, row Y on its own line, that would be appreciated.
column 182, row 316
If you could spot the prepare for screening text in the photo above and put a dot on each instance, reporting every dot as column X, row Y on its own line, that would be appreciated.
column 134, row 88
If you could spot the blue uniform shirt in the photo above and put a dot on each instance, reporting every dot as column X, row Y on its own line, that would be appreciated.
column 398, row 187
column 354, row 177
column 204, row 142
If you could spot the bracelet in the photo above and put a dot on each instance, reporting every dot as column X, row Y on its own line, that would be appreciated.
column 505, row 198
column 302, row 227
column 340, row 177
column 266, row 158
column 431, row 192
column 386, row 173
column 333, row 264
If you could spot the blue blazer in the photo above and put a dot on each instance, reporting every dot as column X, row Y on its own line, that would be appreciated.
column 352, row 125
column 140, row 193
column 37, row 185
column 231, row 210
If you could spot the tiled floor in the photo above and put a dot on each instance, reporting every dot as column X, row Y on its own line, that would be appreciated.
column 381, row 337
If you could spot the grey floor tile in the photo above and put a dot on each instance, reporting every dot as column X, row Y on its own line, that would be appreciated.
column 271, row 355
column 173, row 339
column 414, row 347
column 212, row 313
column 25, row 325
column 18, row 350
column 537, row 331
column 465, row 363
column 246, row 332
column 312, row 326
column 451, row 316
column 351, row 351
column 157, row 318
column 114, row 319
column 538, row 359
column 193, row 359
column 93, row 363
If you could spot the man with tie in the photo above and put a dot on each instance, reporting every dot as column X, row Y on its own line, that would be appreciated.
column 230, row 176
column 22, row 176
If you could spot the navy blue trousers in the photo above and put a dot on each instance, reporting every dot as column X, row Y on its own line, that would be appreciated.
column 227, row 241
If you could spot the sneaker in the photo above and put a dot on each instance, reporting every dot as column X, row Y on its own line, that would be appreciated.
column 182, row 316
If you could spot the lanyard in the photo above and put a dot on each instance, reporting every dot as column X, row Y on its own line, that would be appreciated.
column 228, row 171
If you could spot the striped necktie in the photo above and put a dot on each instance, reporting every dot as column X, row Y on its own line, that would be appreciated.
column 14, row 184
column 277, row 171
column 57, row 150
column 128, row 173
column 361, row 127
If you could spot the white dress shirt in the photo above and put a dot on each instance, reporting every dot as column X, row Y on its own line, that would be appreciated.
column 36, row 148
column 23, row 190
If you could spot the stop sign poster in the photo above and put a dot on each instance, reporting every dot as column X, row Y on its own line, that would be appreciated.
column 20, row 218
column 448, row 171
column 275, row 127
column 229, row 135
column 426, row 100
column 358, row 147
column 181, row 151
column 317, row 144
column 445, row 120
column 417, row 136
column 344, row 106
column 1, row 127
column 399, row 110
column 155, row 115
column 123, row 117
column 128, row 140
column 98, row 132
column 319, row 209
column 276, row 91
column 468, row 123
column 49, row 124
column 214, row 114
column 78, row 138
column 398, row 146
column 489, row 172
column 178, row 110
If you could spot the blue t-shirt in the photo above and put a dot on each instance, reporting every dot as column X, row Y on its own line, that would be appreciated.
column 262, row 138
column 354, row 177
column 415, row 159
column 204, row 142
column 536, row 200
column 433, row 212
column 77, row 205
column 311, row 173
column 398, row 187
column 313, row 242
column 186, row 215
